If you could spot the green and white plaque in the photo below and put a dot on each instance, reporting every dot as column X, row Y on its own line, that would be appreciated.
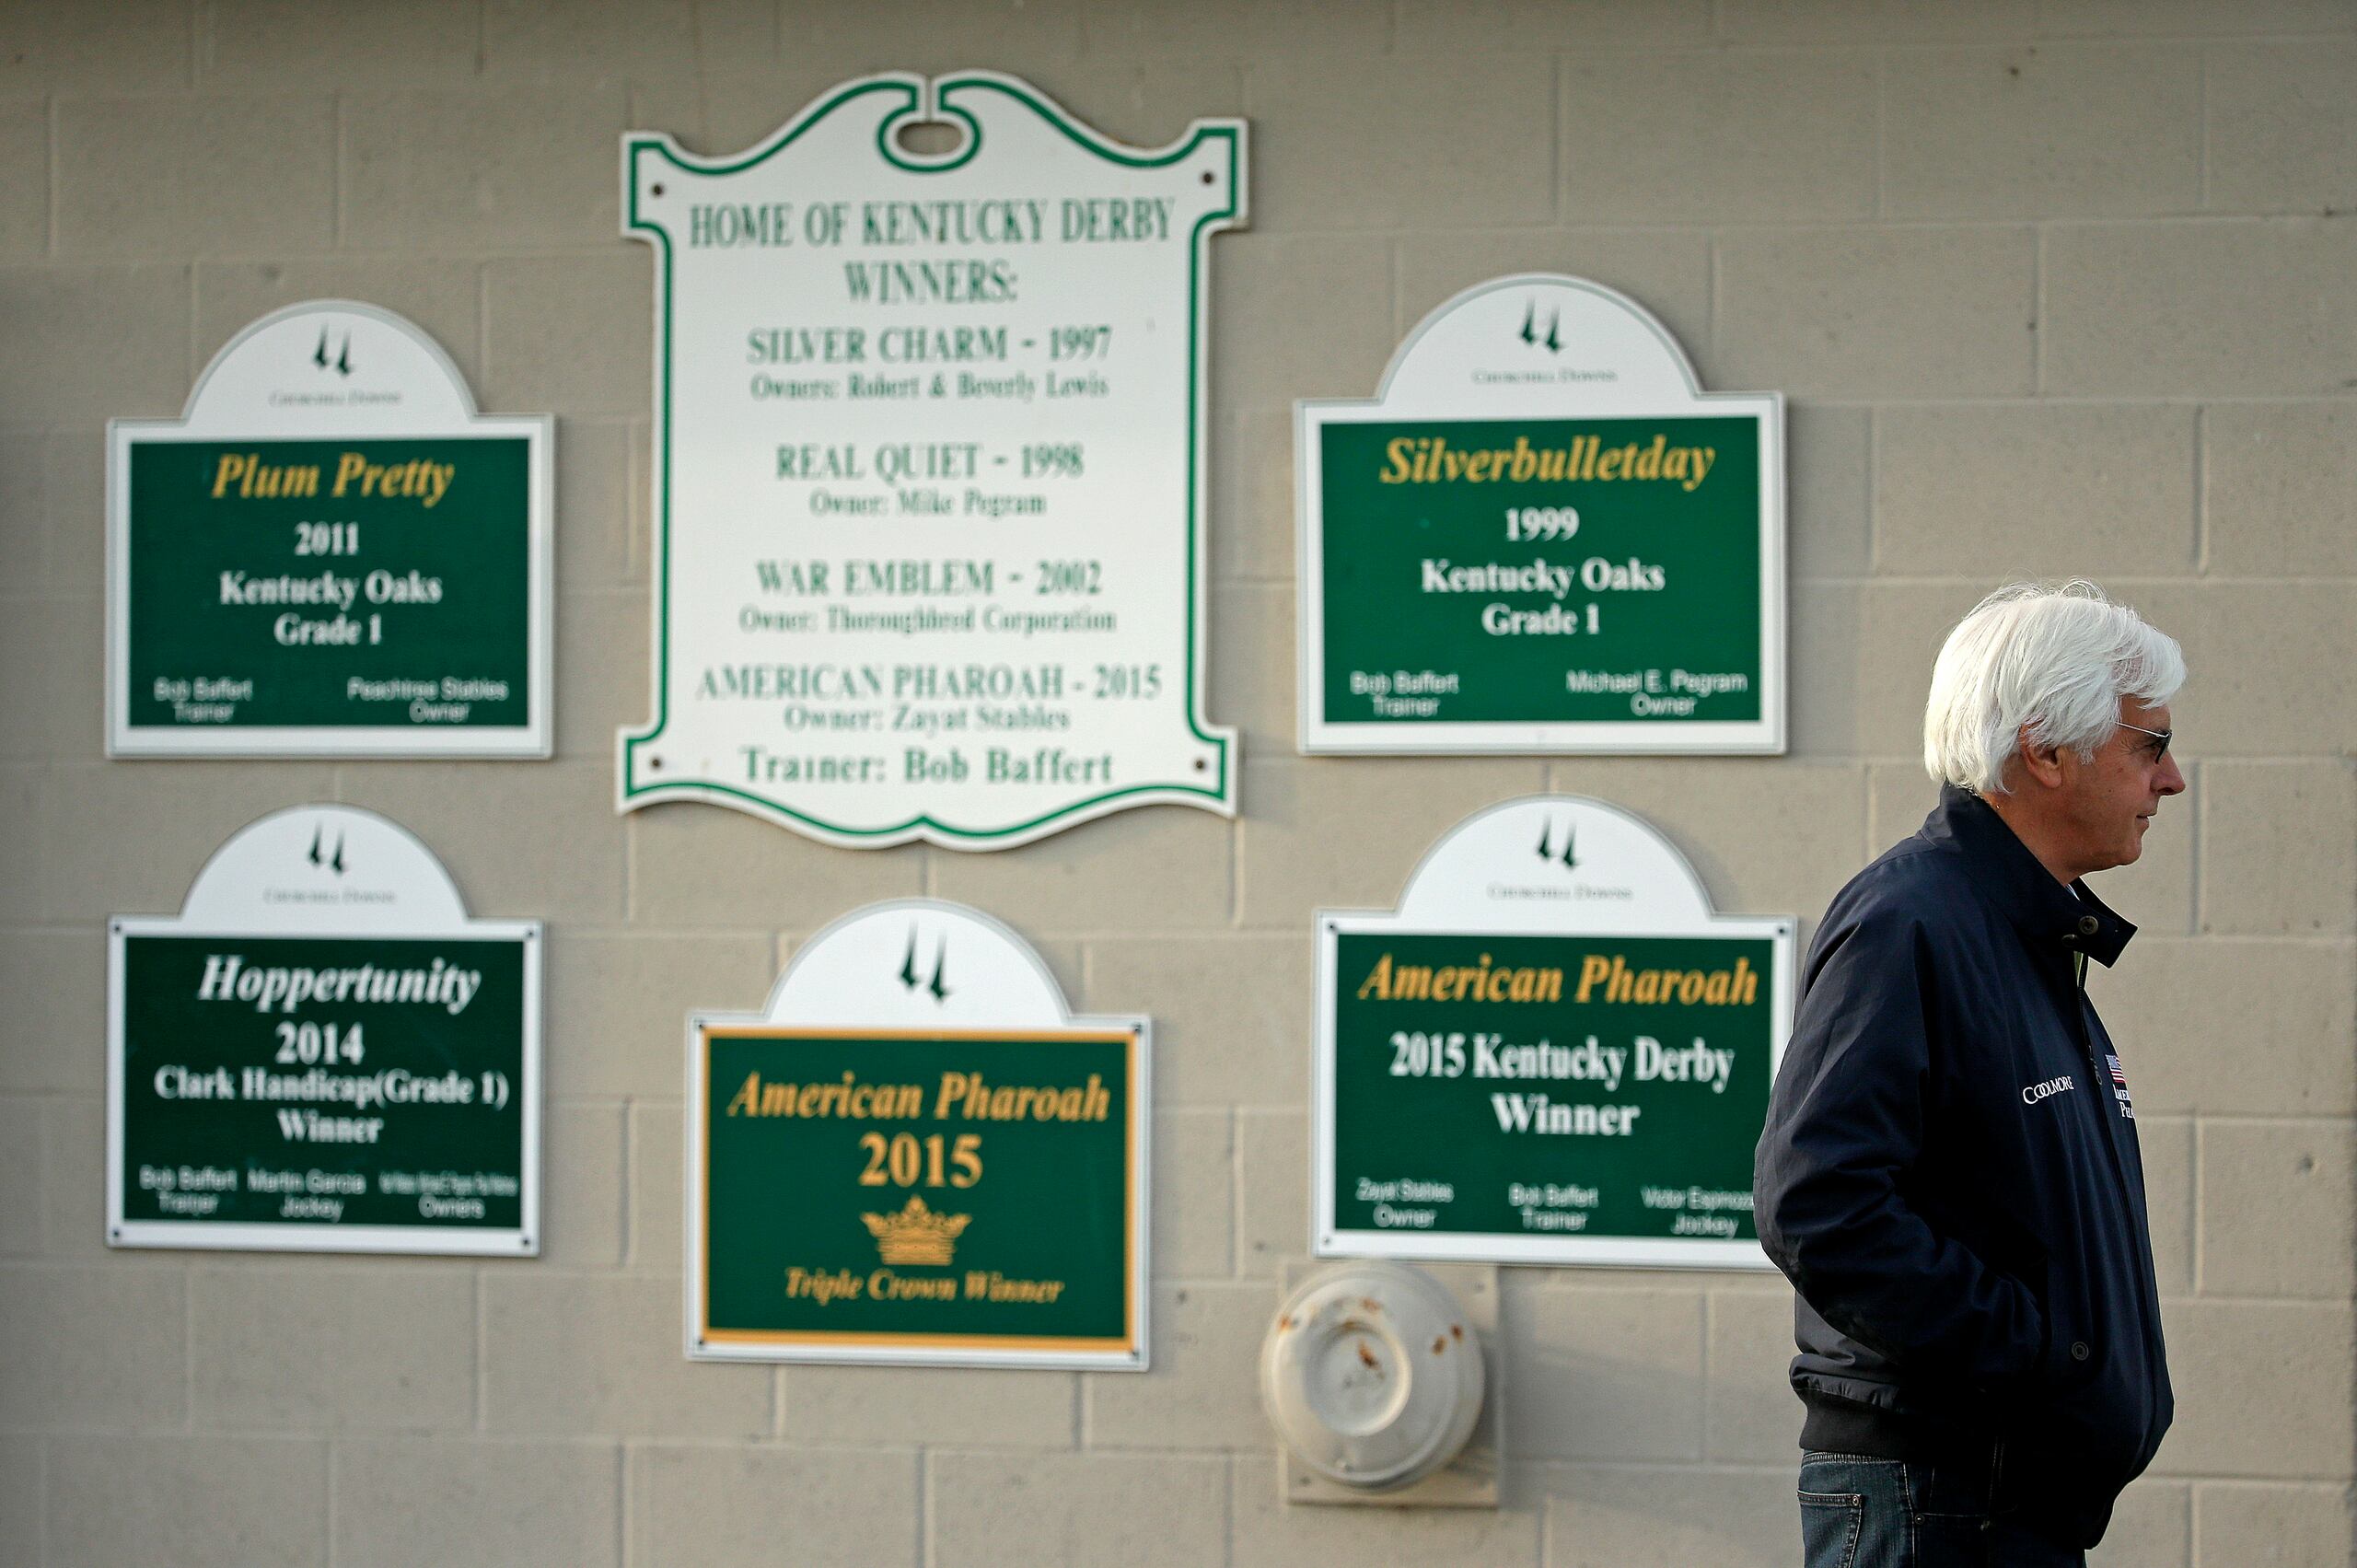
column 929, row 450
column 1552, row 1051
column 330, row 553
column 916, row 1154
column 1542, row 536
column 323, row 1054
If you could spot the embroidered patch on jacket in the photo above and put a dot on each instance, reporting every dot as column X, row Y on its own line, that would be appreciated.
column 2120, row 1086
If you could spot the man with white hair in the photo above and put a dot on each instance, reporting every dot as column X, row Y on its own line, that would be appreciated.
column 1949, row 1174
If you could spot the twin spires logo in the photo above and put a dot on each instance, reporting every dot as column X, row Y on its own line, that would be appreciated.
column 342, row 362
column 1569, row 861
column 913, row 979
column 1552, row 341
column 916, row 1236
column 334, row 860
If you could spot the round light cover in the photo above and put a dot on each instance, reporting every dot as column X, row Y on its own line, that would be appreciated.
column 1372, row 1375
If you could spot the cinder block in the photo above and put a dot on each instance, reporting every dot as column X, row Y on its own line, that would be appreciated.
column 250, row 44
column 701, row 865
column 1873, row 21
column 1230, row 1014
column 20, row 1489
column 2277, row 1208
column 1088, row 878
column 2033, row 490
column 2234, row 1027
column 491, row 168
column 1264, row 1531
column 1233, row 29
column 22, row 871
column 586, row 1354
column 1613, row 1374
column 1761, row 136
column 542, row 40
column 1252, row 535
column 1766, row 837
column 2247, row 636
column 210, row 1501
column 95, row 1347
column 618, row 1005
column 24, row 178
column 177, row 176
column 2278, row 489
column 1821, row 669
column 1836, row 313
column 1272, row 1223
column 658, row 1190
column 2279, row 848
column 1483, row 159
column 1253, row 679
column 54, row 314
column 1827, row 484
column 2243, row 1526
column 2244, row 308
column 1194, row 1195
column 305, row 1348
column 2282, row 126
column 183, row 810
column 603, row 669
column 24, row 502
column 428, row 1503
column 53, row 1033
column 2151, row 1527
column 1668, row 271
column 582, row 1193
column 141, row 44
column 74, row 481
column 74, row 1180
column 1145, row 103
column 756, row 1507
column 549, row 333
column 1626, row 1517
column 2262, row 1389
column 1291, row 861
column 1750, row 1414
column 597, row 499
column 21, row 1175
column 510, row 835
column 1427, row 24
column 55, row 705
column 442, row 297
column 2170, row 1207
column 938, row 31
column 2068, row 18
column 2042, row 131
column 1203, row 1391
column 1076, row 1510
column 1298, row 315
column 971, row 1407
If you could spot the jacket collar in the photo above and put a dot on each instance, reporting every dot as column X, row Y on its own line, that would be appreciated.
column 2042, row 910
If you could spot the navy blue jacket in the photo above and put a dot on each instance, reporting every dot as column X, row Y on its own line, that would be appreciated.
column 1950, row 1178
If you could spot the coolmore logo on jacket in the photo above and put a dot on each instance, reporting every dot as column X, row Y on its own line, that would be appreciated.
column 2033, row 1093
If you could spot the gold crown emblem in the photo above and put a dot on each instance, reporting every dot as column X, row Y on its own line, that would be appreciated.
column 916, row 1234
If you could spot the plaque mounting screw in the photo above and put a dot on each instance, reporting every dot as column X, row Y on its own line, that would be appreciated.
column 655, row 189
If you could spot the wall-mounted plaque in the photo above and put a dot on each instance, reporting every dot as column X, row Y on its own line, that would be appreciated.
column 1542, row 536
column 928, row 478
column 1552, row 1051
column 330, row 553
column 323, row 1054
column 915, row 1153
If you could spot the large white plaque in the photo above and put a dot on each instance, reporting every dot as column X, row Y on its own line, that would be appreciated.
column 929, row 452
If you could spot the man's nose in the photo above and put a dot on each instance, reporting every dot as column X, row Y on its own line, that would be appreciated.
column 2172, row 782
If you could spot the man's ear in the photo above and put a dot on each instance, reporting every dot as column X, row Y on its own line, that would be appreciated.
column 2042, row 763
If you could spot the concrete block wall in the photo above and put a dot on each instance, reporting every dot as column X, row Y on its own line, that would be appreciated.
column 2055, row 287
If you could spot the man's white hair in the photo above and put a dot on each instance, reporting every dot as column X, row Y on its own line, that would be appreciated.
column 2053, row 661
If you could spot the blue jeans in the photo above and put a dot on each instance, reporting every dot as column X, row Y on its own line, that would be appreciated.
column 1858, row 1512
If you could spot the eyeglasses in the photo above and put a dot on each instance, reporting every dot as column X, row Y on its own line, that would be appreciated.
column 2163, row 736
